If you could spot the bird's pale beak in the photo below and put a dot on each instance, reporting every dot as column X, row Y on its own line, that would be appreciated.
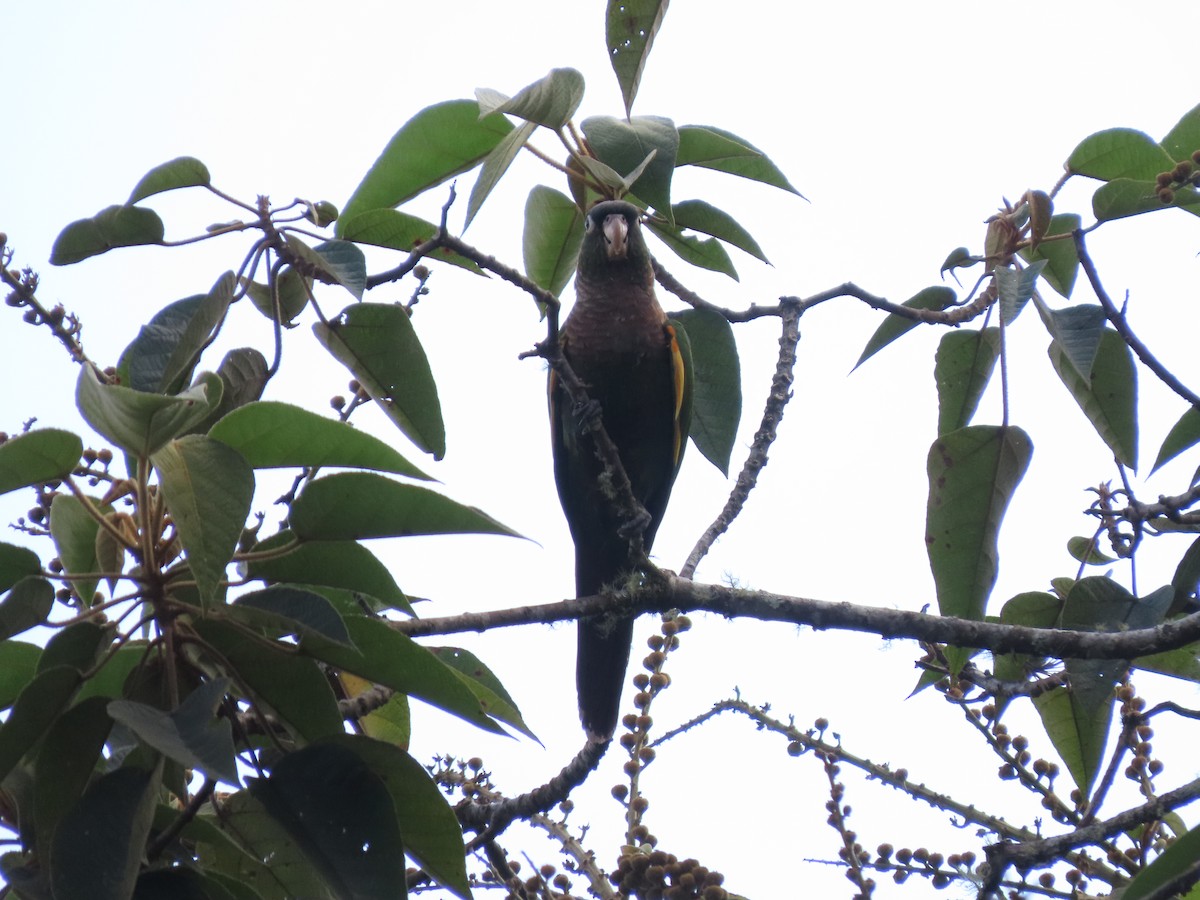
column 616, row 236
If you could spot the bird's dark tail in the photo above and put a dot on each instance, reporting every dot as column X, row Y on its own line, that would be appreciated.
column 604, row 643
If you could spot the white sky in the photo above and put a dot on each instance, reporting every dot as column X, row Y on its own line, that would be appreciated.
column 904, row 125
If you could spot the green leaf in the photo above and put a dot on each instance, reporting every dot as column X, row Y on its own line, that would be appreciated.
column 137, row 422
column 715, row 148
column 630, row 27
column 74, row 531
column 707, row 219
column 291, row 685
column 432, row 835
column 1015, row 288
column 962, row 368
column 340, row 564
column 243, row 374
column 101, row 842
column 291, row 296
column 551, row 239
column 1119, row 153
column 1173, row 862
column 65, row 762
column 387, row 657
column 35, row 457
column 1184, row 138
column 18, row 666
column 377, row 343
column 1078, row 331
column 181, row 883
column 113, row 226
column 492, row 695
column 181, row 172
column 163, row 356
column 208, row 487
column 972, row 475
column 39, row 704
column 549, row 101
column 296, row 610
column 717, row 384
column 707, row 254
column 894, row 326
column 273, row 435
column 341, row 815
column 15, row 563
column 399, row 231
column 1126, row 197
column 28, row 604
column 436, row 144
column 191, row 735
column 495, row 165
column 351, row 506
column 331, row 262
column 1062, row 260
column 79, row 646
column 624, row 144
column 1087, row 552
column 1110, row 401
column 290, row 873
column 1183, row 434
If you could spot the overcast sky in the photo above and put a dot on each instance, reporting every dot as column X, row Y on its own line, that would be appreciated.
column 904, row 125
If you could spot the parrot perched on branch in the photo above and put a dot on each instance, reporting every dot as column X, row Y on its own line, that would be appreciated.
column 621, row 345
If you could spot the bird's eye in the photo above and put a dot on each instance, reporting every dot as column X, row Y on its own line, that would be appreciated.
column 588, row 224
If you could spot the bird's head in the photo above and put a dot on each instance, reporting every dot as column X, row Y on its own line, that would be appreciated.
column 612, row 235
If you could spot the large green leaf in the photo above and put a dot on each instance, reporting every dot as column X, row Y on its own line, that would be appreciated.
column 715, row 148
column 181, row 172
column 377, row 343
column 1078, row 331
column 294, row 687
column 962, row 368
column 432, row 835
column 351, row 506
column 717, row 384
column 339, row 564
column 243, row 374
column 630, row 27
column 290, row 609
column 191, row 735
column 79, row 645
column 1119, row 153
column 74, row 531
column 1031, row 609
column 137, row 422
column 707, row 253
column 697, row 215
column 434, row 145
column 101, row 842
column 972, row 475
column 113, row 226
column 34, row 457
column 1184, row 137
column 15, row 563
column 39, row 704
column 18, row 666
column 491, row 694
column 1062, row 259
column 28, row 604
column 1183, row 434
column 165, row 352
column 1110, row 400
column 342, row 816
column 399, row 231
column 1131, row 197
column 551, row 238
column 624, row 144
column 208, row 488
column 65, row 763
column 332, row 262
column 385, row 656
column 894, row 326
column 495, row 165
column 549, row 101
column 257, row 836
column 271, row 435
column 1014, row 288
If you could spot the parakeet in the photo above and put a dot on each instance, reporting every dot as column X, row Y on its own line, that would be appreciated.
column 624, row 349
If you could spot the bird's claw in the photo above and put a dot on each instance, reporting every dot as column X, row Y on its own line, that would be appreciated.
column 586, row 415
column 635, row 525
